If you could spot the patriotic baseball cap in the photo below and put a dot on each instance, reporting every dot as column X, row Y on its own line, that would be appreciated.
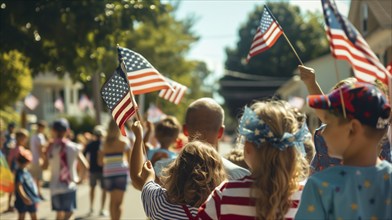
column 362, row 101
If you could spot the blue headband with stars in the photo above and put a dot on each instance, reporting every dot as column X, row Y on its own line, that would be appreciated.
column 257, row 131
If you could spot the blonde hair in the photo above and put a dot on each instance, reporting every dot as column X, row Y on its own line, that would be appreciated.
column 279, row 172
column 113, row 132
column 236, row 156
column 20, row 134
column 194, row 174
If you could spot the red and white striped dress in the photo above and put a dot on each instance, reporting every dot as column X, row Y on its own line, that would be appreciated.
column 231, row 200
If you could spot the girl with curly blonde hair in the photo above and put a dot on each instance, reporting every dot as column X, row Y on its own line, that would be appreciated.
column 273, row 140
column 187, row 182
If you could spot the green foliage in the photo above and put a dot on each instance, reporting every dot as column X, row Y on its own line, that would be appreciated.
column 15, row 77
column 7, row 115
column 78, row 37
column 85, row 124
column 305, row 33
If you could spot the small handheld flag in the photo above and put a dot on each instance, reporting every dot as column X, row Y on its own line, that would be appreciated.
column 267, row 34
column 142, row 76
column 117, row 96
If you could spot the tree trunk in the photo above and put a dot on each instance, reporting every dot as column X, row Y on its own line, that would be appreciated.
column 97, row 97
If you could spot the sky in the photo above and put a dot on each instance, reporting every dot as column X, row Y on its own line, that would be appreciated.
column 218, row 22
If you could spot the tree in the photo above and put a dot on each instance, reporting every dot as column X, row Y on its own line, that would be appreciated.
column 305, row 33
column 16, row 79
column 80, row 37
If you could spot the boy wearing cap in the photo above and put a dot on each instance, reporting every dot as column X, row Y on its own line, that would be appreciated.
column 62, row 155
column 26, row 192
column 358, row 117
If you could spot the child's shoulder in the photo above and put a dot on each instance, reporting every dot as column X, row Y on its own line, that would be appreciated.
column 333, row 174
column 74, row 146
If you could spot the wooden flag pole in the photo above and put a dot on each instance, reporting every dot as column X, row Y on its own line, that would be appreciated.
column 295, row 52
column 340, row 90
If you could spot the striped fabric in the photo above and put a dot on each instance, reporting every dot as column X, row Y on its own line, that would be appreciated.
column 156, row 205
column 231, row 200
column 142, row 76
column 114, row 165
column 173, row 95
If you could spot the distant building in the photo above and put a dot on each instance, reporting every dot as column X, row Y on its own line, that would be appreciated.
column 373, row 19
column 49, row 88
column 240, row 89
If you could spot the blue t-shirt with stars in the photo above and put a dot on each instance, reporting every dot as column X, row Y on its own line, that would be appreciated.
column 347, row 192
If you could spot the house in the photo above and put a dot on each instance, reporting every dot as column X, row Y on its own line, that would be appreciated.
column 48, row 88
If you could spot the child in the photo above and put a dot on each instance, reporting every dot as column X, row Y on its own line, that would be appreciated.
column 361, row 188
column 187, row 181
column 113, row 157
column 26, row 191
column 273, row 147
column 166, row 132
column 321, row 159
column 21, row 138
column 63, row 155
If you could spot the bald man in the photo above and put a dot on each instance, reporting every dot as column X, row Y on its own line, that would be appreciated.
column 204, row 121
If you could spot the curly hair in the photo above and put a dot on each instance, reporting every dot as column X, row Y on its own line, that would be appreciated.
column 194, row 174
column 278, row 174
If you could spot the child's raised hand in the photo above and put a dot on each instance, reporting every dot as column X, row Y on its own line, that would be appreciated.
column 148, row 172
column 137, row 129
column 307, row 74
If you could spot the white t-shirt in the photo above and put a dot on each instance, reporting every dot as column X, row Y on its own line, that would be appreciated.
column 36, row 141
column 56, row 186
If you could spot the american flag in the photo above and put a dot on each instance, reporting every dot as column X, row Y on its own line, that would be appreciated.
column 84, row 102
column 59, row 104
column 173, row 95
column 267, row 34
column 142, row 76
column 116, row 94
column 31, row 102
column 347, row 44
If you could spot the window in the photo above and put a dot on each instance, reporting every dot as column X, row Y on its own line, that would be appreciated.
column 364, row 18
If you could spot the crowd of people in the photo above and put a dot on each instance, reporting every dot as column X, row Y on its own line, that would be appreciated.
column 277, row 170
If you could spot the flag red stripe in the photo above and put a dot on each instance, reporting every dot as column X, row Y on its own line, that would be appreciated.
column 132, row 75
column 264, row 37
column 142, row 91
column 146, row 82
column 122, row 107
column 126, row 116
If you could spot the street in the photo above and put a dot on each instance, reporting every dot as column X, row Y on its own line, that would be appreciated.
column 132, row 206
